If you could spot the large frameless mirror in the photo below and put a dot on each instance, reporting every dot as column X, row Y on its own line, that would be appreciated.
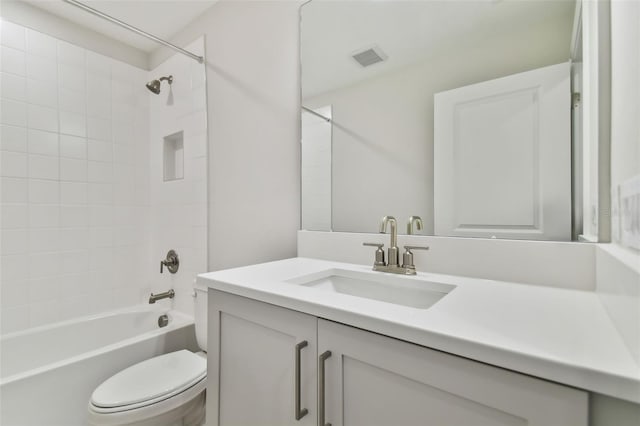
column 467, row 114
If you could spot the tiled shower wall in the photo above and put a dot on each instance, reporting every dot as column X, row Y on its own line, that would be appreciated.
column 75, row 181
column 179, row 213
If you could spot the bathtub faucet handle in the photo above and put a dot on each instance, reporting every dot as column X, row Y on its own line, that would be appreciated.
column 171, row 262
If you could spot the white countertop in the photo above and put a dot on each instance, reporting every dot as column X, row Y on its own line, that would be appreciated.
column 559, row 335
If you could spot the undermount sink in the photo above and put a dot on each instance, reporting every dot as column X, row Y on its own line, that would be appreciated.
column 398, row 290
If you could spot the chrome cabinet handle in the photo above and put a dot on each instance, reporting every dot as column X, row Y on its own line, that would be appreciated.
column 321, row 404
column 299, row 413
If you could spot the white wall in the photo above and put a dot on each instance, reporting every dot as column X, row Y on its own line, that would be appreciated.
column 253, row 118
column 20, row 12
column 74, row 139
column 383, row 127
column 178, row 213
column 618, row 267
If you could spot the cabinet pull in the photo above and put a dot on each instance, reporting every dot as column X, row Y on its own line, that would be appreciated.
column 323, row 357
column 299, row 413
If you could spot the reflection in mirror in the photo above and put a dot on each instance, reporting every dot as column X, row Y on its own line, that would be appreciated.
column 459, row 112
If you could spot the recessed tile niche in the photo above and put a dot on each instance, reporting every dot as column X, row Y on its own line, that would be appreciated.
column 174, row 156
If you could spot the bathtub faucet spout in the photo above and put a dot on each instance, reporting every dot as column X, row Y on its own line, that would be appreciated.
column 166, row 295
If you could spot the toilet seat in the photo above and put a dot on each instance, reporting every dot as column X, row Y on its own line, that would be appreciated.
column 150, row 387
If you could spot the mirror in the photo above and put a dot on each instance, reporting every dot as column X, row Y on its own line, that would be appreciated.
column 447, row 110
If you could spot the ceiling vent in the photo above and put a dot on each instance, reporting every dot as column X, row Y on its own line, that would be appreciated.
column 369, row 56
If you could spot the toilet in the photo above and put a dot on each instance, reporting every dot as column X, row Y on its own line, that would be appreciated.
column 166, row 390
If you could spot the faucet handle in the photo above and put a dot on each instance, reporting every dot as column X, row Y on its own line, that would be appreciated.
column 379, row 253
column 407, row 256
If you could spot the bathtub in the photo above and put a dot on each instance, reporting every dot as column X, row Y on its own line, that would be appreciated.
column 47, row 374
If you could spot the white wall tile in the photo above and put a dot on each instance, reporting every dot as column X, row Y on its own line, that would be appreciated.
column 73, row 170
column 13, row 113
column 100, row 150
column 100, row 216
column 44, row 240
column 42, row 265
column 74, row 238
column 71, row 77
column 43, row 143
column 13, row 87
column 73, row 193
column 74, row 216
column 70, row 54
column 98, row 105
column 73, row 147
column 43, row 167
column 98, row 64
column 71, row 101
column 41, row 45
column 100, row 172
column 43, row 118
column 72, row 123
column 43, row 191
column 14, row 319
column 14, row 268
column 13, row 190
column 42, row 93
column 98, row 128
column 13, row 293
column 14, row 216
column 100, row 237
column 13, row 138
column 43, row 69
column 13, row 61
column 13, row 35
column 57, row 96
column 13, row 164
column 74, row 262
column 100, row 193
column 13, row 241
column 44, row 215
column 43, row 313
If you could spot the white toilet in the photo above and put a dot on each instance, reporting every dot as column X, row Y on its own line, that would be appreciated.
column 166, row 390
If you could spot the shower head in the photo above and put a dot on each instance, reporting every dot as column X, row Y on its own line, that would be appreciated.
column 154, row 85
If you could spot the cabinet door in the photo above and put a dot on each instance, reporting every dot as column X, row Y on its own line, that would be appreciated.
column 376, row 380
column 252, row 363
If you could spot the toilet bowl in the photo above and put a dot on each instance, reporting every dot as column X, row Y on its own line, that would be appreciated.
column 166, row 390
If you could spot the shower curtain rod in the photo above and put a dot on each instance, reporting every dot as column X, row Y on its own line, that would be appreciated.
column 102, row 15
column 310, row 111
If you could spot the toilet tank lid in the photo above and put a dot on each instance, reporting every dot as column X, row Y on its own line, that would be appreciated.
column 150, row 379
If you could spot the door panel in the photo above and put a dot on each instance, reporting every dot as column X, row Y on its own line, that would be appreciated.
column 251, row 368
column 502, row 152
column 376, row 380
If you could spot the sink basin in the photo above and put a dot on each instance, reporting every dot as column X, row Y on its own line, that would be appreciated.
column 395, row 289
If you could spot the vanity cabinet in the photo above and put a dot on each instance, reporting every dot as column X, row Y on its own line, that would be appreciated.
column 352, row 377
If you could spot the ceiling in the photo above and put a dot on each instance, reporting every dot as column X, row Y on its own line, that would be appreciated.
column 409, row 32
column 163, row 19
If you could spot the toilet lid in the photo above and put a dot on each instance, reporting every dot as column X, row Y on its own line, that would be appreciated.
column 163, row 375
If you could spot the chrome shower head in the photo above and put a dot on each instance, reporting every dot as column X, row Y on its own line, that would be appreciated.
column 154, row 85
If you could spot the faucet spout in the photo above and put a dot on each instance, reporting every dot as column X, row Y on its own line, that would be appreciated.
column 393, row 246
column 159, row 296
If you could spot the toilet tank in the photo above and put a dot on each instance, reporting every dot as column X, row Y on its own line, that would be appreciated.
column 200, row 314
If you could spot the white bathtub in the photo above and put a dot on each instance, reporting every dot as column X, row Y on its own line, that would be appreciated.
column 47, row 374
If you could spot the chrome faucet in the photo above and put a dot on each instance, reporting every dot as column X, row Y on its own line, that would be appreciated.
column 407, row 268
column 166, row 295
column 392, row 251
column 418, row 222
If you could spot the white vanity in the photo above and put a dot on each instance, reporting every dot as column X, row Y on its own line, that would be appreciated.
column 311, row 342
